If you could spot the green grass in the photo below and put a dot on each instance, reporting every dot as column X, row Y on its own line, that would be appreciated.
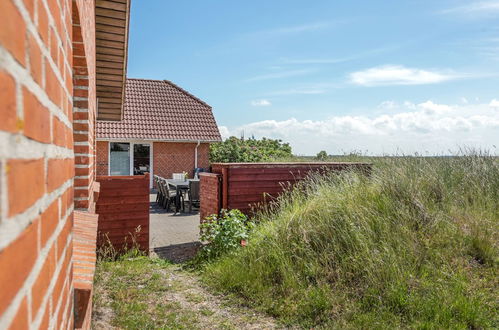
column 415, row 245
column 135, row 289
column 137, row 292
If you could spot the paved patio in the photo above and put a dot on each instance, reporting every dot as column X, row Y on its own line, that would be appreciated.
column 172, row 236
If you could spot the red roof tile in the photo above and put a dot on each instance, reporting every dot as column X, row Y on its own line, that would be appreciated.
column 160, row 110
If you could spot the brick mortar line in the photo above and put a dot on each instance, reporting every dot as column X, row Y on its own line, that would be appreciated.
column 34, row 31
column 82, row 166
column 11, row 310
column 59, row 299
column 23, row 77
column 81, row 188
column 15, row 225
column 18, row 146
column 82, row 143
column 84, row 262
column 55, row 312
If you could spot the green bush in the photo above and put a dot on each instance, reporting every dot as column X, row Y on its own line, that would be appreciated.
column 234, row 150
column 415, row 245
column 322, row 155
column 224, row 233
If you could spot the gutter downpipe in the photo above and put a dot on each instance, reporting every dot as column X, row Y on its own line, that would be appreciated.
column 196, row 156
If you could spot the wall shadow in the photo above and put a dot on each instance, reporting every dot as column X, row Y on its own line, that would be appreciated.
column 178, row 253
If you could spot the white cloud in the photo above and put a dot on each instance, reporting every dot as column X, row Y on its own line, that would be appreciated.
column 431, row 108
column 464, row 100
column 397, row 75
column 494, row 103
column 261, row 103
column 486, row 7
column 426, row 127
column 224, row 131
column 388, row 105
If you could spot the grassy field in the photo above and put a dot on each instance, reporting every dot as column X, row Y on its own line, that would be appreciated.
column 415, row 245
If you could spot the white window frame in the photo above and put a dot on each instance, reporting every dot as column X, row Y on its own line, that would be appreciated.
column 132, row 143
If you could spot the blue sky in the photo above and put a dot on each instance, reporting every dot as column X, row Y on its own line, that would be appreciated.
column 374, row 76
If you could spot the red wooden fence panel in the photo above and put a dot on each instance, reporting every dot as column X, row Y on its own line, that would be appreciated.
column 244, row 185
column 123, row 209
column 209, row 194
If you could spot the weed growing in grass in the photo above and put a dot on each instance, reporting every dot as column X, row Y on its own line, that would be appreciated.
column 107, row 251
column 415, row 244
column 223, row 234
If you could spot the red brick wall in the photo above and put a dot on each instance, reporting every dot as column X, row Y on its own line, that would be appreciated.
column 123, row 206
column 177, row 157
column 84, row 103
column 102, row 158
column 209, row 194
column 36, row 164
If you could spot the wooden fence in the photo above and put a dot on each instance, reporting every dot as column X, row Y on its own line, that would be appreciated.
column 210, row 194
column 123, row 209
column 245, row 185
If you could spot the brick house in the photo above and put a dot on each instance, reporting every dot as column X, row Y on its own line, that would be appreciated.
column 164, row 130
column 56, row 58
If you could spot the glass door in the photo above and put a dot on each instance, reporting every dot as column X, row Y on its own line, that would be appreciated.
column 141, row 158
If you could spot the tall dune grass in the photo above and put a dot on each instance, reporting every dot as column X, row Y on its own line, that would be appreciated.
column 413, row 245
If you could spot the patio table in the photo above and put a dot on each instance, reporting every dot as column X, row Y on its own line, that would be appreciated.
column 180, row 186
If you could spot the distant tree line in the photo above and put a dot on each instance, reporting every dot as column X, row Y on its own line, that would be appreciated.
column 251, row 150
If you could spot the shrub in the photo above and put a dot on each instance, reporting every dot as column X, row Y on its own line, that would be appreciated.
column 248, row 150
column 224, row 233
column 321, row 155
column 415, row 245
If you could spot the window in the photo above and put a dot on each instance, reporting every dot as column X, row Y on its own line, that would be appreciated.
column 129, row 158
column 119, row 158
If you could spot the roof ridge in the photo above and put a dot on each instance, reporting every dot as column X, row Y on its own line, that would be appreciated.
column 158, row 80
column 186, row 92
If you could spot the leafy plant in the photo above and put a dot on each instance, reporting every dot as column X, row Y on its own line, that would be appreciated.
column 224, row 233
column 251, row 150
column 322, row 155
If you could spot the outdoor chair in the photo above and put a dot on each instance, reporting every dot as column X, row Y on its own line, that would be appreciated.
column 161, row 191
column 170, row 194
column 193, row 194
column 158, row 193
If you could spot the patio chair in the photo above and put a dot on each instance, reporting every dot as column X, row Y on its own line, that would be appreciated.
column 170, row 194
column 193, row 194
column 161, row 191
column 158, row 193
